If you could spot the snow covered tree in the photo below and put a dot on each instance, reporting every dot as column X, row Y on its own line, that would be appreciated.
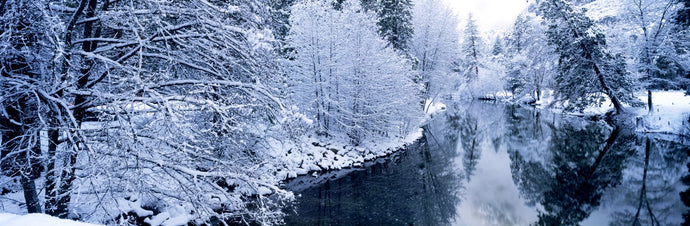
column 497, row 48
column 531, row 61
column 656, row 53
column 165, row 100
column 395, row 22
column 586, row 68
column 280, row 18
column 345, row 77
column 28, row 44
column 682, row 28
column 435, row 45
column 471, row 49
column 517, row 35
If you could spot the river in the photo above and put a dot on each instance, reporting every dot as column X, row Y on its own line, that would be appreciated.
column 492, row 164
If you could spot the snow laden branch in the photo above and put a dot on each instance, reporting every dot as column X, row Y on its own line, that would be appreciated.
column 141, row 93
column 586, row 67
column 346, row 77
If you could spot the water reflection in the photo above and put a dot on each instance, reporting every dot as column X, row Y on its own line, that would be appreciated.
column 650, row 195
column 487, row 164
column 415, row 187
column 470, row 138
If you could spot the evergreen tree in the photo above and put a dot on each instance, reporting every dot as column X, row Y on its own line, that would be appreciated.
column 280, row 22
column 497, row 49
column 471, row 49
column 520, row 29
column 395, row 23
column 585, row 66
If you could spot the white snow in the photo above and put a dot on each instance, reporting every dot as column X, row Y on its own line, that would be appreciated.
column 432, row 107
column 36, row 219
column 158, row 219
column 670, row 115
column 133, row 206
column 318, row 154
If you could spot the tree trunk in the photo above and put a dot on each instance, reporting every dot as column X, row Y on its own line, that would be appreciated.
column 33, row 205
column 21, row 151
column 51, row 175
column 609, row 144
column 649, row 101
column 64, row 193
column 614, row 99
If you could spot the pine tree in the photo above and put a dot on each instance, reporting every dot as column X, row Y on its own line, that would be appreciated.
column 497, row 49
column 682, row 22
column 338, row 4
column 280, row 15
column 471, row 49
column 395, row 23
column 585, row 65
column 517, row 35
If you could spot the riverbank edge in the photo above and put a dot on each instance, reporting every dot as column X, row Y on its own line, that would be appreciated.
column 673, row 120
column 335, row 153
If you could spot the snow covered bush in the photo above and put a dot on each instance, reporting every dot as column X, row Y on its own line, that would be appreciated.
column 295, row 124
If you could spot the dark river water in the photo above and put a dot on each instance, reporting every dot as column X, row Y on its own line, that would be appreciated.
column 489, row 164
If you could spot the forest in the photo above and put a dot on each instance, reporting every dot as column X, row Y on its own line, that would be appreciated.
column 176, row 112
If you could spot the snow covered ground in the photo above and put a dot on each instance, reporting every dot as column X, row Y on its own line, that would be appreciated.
column 37, row 220
column 671, row 113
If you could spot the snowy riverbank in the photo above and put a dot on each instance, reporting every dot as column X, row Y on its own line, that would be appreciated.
column 288, row 158
column 670, row 115
column 317, row 154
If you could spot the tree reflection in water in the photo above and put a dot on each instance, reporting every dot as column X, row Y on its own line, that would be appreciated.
column 646, row 196
column 586, row 164
column 470, row 140
column 414, row 187
column 569, row 180
column 565, row 171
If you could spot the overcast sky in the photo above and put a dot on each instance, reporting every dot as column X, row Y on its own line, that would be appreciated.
column 489, row 14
